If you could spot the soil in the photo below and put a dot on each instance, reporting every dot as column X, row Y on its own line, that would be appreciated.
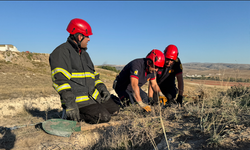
column 27, row 99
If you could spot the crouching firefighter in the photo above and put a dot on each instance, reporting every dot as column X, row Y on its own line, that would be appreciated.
column 134, row 75
column 83, row 95
column 166, row 78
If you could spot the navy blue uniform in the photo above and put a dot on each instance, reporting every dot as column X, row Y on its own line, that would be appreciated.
column 136, row 69
column 166, row 79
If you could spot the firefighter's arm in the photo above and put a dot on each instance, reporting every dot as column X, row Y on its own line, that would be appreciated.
column 150, row 91
column 180, row 88
column 136, row 92
column 60, row 71
column 154, row 85
column 180, row 83
column 136, row 89
column 157, row 89
column 61, row 74
column 101, row 87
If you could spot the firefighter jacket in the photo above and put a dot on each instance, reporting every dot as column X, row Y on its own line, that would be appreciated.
column 74, row 76
column 137, row 68
column 166, row 76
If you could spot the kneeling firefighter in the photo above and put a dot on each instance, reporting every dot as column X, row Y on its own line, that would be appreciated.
column 82, row 93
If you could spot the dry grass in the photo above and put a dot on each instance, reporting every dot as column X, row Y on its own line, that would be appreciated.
column 218, row 110
column 202, row 124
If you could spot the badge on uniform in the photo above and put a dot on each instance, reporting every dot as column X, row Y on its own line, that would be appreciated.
column 171, row 71
column 136, row 72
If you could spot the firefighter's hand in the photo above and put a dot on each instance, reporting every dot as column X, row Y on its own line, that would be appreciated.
column 179, row 99
column 103, row 92
column 72, row 111
column 147, row 108
column 144, row 106
column 163, row 100
column 105, row 96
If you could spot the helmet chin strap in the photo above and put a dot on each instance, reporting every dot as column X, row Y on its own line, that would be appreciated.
column 79, row 42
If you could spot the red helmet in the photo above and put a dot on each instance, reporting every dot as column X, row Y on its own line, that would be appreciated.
column 171, row 52
column 79, row 26
column 157, row 57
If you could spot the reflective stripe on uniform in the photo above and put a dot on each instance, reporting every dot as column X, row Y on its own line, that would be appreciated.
column 95, row 94
column 63, row 71
column 97, row 82
column 61, row 87
column 81, row 99
column 86, row 98
column 74, row 74
column 82, row 75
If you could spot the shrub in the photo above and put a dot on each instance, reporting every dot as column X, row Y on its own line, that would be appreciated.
column 109, row 68
column 240, row 93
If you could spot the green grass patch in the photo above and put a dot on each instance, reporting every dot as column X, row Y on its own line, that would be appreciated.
column 109, row 68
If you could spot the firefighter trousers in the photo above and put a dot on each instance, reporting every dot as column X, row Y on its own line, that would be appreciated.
column 99, row 112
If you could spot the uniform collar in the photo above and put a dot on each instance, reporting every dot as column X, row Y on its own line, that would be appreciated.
column 74, row 45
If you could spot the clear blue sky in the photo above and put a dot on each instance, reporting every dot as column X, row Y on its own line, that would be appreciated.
column 209, row 31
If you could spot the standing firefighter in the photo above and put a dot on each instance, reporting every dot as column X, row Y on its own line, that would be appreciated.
column 166, row 78
column 134, row 75
column 82, row 93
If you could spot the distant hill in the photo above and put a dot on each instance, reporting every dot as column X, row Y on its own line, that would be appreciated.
column 203, row 66
column 216, row 66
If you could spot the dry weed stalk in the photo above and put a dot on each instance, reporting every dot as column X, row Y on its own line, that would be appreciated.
column 216, row 111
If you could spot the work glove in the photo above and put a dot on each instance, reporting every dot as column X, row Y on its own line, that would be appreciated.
column 179, row 99
column 72, row 110
column 103, row 92
column 144, row 106
column 163, row 100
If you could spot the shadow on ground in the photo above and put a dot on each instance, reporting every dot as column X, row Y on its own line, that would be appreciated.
column 8, row 138
column 50, row 114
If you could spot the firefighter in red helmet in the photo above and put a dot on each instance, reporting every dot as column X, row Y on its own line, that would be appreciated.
column 134, row 75
column 166, row 78
column 83, row 95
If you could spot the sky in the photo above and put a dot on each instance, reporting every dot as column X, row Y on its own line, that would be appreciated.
column 203, row 31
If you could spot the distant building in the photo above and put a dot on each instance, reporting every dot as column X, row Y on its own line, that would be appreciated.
column 8, row 47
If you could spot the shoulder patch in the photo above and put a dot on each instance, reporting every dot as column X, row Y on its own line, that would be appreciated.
column 136, row 72
column 181, row 66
